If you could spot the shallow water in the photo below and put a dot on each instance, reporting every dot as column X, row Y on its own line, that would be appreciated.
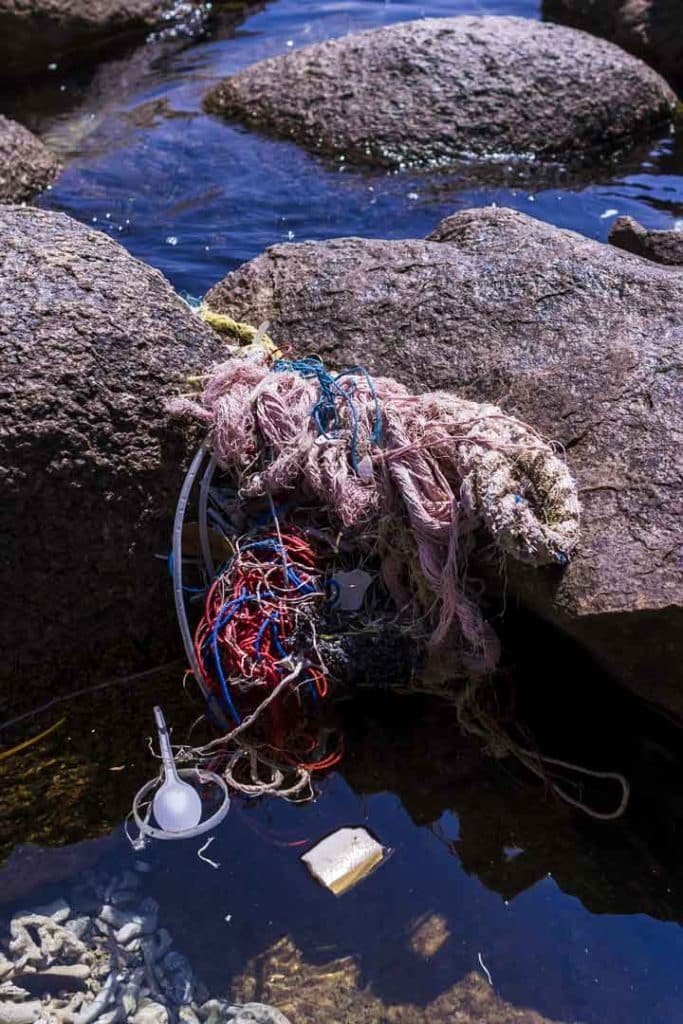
column 576, row 920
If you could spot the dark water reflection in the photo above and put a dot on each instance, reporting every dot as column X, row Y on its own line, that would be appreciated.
column 578, row 920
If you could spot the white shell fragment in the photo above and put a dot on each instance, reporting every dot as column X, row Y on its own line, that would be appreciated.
column 343, row 859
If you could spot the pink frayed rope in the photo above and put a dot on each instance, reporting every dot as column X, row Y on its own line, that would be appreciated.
column 445, row 466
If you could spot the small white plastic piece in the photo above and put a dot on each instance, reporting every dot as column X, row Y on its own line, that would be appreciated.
column 353, row 587
column 343, row 859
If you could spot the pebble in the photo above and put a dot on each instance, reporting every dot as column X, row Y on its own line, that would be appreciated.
column 67, row 971
column 20, row 1013
column 131, row 930
column 124, row 965
column 255, row 1013
column 187, row 1015
column 152, row 1013
column 78, row 926
column 8, row 990
column 59, row 910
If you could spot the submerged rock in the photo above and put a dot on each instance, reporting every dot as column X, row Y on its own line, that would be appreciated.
column 26, row 165
column 145, row 985
column 660, row 246
column 582, row 341
column 91, row 343
column 431, row 92
column 651, row 29
column 327, row 993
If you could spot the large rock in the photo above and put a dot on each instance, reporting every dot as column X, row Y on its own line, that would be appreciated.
column 431, row 92
column 26, row 165
column 91, row 343
column 660, row 246
column 652, row 29
column 580, row 339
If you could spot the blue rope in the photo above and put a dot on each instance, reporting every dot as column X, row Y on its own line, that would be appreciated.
column 270, row 622
column 325, row 412
column 231, row 609
column 186, row 589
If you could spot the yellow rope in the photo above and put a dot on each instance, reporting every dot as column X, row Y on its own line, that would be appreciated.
column 29, row 743
column 244, row 334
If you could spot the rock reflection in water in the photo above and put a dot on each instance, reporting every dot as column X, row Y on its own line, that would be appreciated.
column 510, row 832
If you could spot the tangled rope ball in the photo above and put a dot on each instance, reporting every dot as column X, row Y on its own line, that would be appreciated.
column 381, row 461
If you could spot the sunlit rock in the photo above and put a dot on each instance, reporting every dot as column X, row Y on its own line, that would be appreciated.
column 432, row 92
column 660, row 246
column 91, row 344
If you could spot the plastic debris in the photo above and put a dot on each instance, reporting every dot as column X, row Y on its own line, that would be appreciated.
column 353, row 587
column 177, row 806
column 344, row 858
column 176, row 817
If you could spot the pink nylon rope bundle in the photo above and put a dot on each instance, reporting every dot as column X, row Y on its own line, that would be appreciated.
column 445, row 468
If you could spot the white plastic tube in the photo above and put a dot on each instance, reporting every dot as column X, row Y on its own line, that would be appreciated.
column 203, row 514
column 178, row 594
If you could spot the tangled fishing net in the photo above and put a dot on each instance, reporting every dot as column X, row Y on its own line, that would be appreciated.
column 338, row 518
column 411, row 478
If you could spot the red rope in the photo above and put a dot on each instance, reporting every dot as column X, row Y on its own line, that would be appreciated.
column 254, row 627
